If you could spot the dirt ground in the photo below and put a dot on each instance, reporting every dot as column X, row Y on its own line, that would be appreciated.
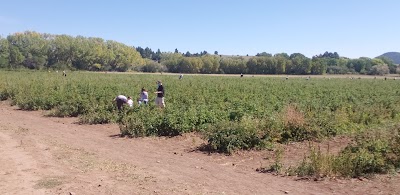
column 42, row 155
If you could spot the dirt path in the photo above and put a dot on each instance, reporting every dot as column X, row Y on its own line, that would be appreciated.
column 41, row 155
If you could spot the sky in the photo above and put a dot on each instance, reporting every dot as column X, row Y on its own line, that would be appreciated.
column 353, row 28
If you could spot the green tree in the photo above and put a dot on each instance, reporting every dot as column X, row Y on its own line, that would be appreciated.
column 281, row 64
column 283, row 55
column 252, row 66
column 319, row 66
column 210, row 64
column 264, row 54
column 157, row 56
column 35, row 50
column 4, row 53
column 61, row 50
column 152, row 66
column 171, row 61
column 233, row 65
column 16, row 57
column 300, row 64
column 33, row 46
column 188, row 54
column 359, row 65
column 389, row 63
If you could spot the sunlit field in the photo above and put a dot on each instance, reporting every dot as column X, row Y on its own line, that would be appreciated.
column 229, row 112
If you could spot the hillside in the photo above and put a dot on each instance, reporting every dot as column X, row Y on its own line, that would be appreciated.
column 394, row 56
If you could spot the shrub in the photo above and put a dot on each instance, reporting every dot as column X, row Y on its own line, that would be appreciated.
column 295, row 126
column 6, row 93
column 315, row 164
column 284, row 110
column 71, row 109
column 379, row 70
column 152, row 66
column 100, row 117
column 230, row 136
column 140, row 122
column 373, row 152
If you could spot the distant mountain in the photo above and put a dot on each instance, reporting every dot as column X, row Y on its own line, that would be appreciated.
column 394, row 56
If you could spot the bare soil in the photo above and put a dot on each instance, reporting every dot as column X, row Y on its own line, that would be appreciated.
column 42, row 155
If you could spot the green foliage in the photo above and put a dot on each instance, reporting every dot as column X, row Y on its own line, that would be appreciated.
column 380, row 69
column 229, row 136
column 375, row 151
column 45, row 51
column 152, row 66
column 315, row 164
column 232, row 112
column 38, row 51
column 295, row 126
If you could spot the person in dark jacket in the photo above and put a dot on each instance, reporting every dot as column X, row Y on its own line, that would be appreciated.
column 160, row 95
column 121, row 100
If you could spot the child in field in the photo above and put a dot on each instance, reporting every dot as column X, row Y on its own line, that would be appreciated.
column 144, row 96
column 130, row 102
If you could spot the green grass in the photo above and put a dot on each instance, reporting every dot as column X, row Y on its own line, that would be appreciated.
column 231, row 112
column 373, row 152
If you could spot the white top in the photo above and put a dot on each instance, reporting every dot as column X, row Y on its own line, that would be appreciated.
column 130, row 103
column 144, row 96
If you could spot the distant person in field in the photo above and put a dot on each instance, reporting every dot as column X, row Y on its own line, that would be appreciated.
column 130, row 102
column 64, row 73
column 241, row 74
column 181, row 77
column 121, row 100
column 144, row 96
column 160, row 95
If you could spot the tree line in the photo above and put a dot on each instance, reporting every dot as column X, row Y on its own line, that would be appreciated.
column 45, row 51
column 39, row 51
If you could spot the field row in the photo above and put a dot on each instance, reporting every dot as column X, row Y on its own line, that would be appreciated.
column 230, row 112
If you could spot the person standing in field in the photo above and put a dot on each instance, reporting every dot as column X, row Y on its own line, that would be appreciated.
column 160, row 95
column 144, row 96
column 121, row 100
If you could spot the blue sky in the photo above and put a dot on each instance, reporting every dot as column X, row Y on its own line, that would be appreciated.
column 353, row 28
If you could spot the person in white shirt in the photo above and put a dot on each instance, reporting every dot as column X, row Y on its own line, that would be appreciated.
column 130, row 102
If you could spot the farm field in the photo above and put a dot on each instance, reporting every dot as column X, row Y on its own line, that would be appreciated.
column 208, row 122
